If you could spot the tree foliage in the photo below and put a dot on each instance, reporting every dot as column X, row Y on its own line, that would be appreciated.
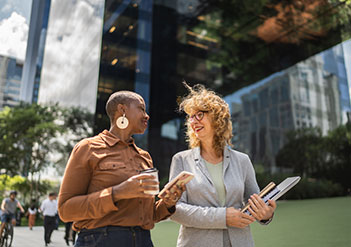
column 78, row 124
column 266, row 36
column 310, row 154
column 34, row 137
column 26, row 137
column 23, row 186
column 338, row 144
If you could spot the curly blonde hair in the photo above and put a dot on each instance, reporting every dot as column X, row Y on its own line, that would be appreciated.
column 202, row 99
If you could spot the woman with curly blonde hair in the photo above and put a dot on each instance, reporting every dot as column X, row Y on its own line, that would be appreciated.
column 224, row 179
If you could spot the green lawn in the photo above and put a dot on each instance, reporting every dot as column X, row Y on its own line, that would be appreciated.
column 312, row 223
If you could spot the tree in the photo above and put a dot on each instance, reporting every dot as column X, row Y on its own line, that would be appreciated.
column 34, row 137
column 338, row 144
column 310, row 154
column 23, row 186
column 8, row 152
column 78, row 124
column 304, row 152
column 27, row 131
column 260, row 36
column 28, row 134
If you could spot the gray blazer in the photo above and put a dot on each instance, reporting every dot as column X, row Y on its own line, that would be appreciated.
column 198, row 211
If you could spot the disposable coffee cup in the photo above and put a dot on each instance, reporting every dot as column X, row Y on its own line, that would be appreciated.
column 153, row 172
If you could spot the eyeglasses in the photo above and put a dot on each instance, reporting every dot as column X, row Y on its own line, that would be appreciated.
column 198, row 116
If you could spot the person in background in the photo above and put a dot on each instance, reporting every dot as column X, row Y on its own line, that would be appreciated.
column 32, row 214
column 70, row 234
column 224, row 179
column 8, row 208
column 49, row 210
column 103, row 189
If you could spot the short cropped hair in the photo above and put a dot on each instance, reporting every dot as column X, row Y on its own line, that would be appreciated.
column 13, row 192
column 202, row 99
column 120, row 97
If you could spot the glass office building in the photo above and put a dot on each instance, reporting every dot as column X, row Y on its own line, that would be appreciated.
column 10, row 81
column 72, row 53
column 23, row 26
column 281, row 66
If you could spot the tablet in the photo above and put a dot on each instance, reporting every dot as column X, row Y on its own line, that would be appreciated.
column 274, row 192
column 183, row 177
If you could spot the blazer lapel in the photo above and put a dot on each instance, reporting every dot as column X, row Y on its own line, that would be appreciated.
column 200, row 164
column 226, row 163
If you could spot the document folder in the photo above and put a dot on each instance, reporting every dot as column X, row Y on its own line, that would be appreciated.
column 273, row 192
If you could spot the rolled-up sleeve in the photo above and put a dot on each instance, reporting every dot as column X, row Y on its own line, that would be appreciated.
column 74, row 203
column 161, row 211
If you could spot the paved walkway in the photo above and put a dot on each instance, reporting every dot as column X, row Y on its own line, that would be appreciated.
column 23, row 237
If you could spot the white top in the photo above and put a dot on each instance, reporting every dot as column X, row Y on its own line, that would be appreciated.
column 49, row 207
column 32, row 211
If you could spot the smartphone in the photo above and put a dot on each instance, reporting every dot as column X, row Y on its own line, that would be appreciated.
column 183, row 177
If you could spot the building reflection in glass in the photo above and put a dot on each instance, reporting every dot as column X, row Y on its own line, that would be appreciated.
column 10, row 81
column 14, row 29
column 312, row 93
column 262, row 59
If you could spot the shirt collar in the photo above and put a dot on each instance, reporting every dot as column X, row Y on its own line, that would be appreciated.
column 112, row 140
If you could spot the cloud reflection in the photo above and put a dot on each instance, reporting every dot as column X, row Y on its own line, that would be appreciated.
column 72, row 53
column 14, row 35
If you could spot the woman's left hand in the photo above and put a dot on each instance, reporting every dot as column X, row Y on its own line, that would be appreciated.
column 259, row 209
column 173, row 195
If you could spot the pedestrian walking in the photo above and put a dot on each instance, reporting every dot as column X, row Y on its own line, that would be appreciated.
column 49, row 210
column 32, row 214
column 70, row 234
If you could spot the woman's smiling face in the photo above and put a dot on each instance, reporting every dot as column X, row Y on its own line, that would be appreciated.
column 138, row 118
column 201, row 124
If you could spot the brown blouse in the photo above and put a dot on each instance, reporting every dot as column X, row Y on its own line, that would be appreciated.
column 97, row 164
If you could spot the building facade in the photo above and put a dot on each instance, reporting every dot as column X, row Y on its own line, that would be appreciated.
column 279, row 65
column 10, row 81
column 305, row 95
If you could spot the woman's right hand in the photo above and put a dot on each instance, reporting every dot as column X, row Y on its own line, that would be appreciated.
column 235, row 218
column 134, row 187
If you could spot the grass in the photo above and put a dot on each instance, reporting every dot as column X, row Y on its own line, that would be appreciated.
column 300, row 223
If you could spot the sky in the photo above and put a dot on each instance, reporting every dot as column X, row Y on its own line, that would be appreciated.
column 14, row 21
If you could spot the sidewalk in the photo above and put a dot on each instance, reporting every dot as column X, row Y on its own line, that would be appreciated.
column 23, row 237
